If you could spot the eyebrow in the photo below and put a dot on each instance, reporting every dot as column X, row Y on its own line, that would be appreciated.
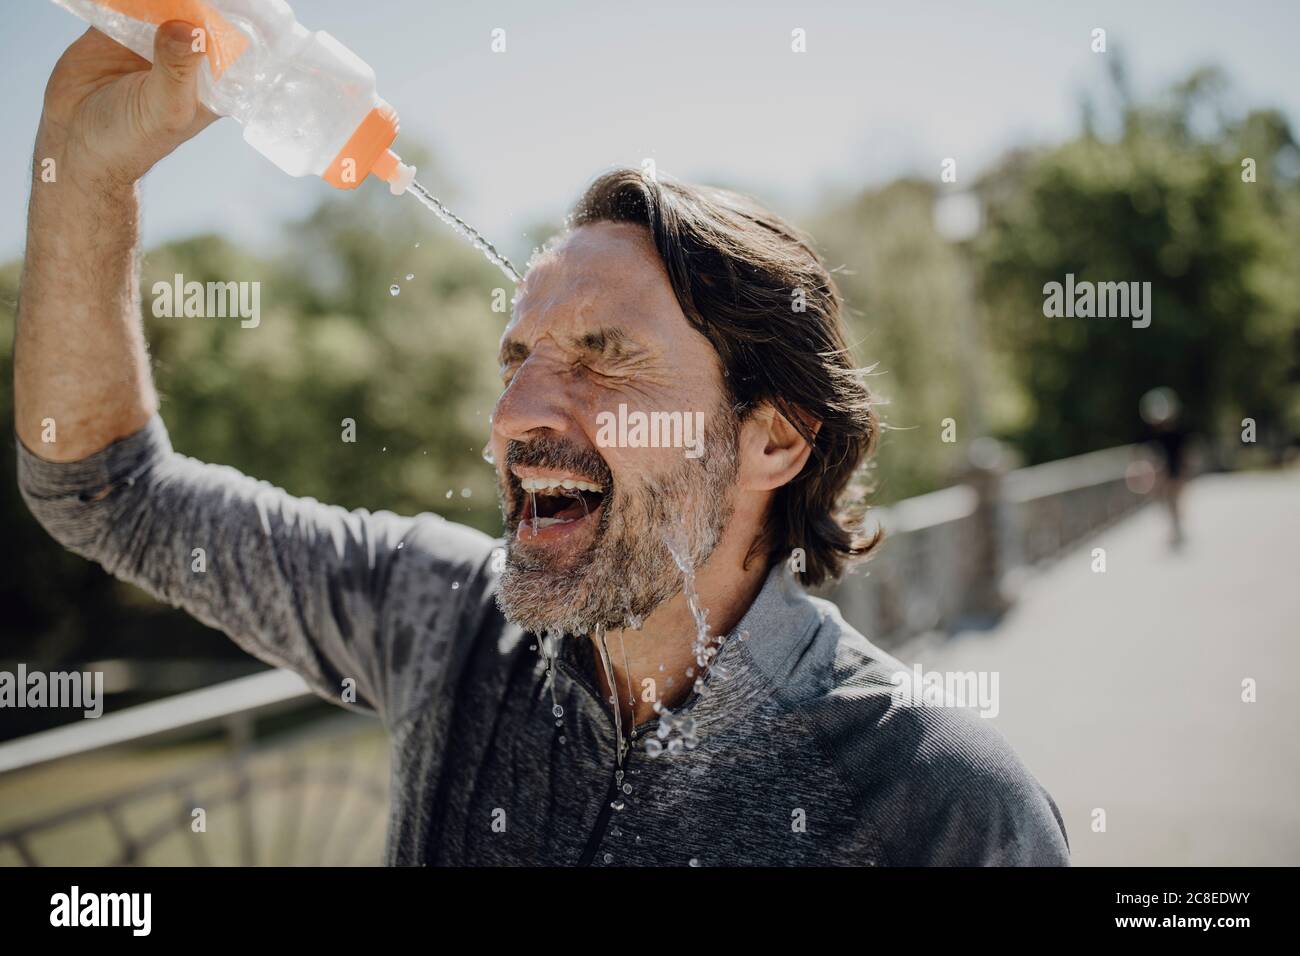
column 606, row 342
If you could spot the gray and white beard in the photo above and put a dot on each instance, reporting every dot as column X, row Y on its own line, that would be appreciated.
column 629, row 570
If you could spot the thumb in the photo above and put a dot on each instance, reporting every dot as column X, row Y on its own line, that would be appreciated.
column 171, row 89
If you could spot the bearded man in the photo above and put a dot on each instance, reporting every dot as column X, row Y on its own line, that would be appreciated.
column 637, row 675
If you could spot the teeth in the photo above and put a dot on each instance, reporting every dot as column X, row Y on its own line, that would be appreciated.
column 564, row 484
column 547, row 522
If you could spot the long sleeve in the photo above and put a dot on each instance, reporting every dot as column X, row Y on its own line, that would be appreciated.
column 297, row 583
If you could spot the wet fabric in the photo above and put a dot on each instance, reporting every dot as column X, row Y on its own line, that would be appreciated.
column 803, row 754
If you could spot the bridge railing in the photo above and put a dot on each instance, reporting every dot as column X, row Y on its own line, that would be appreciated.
column 216, row 789
column 318, row 794
column 950, row 558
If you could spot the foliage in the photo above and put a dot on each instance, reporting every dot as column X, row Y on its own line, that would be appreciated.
column 1161, row 200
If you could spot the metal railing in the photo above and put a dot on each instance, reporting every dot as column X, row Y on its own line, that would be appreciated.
column 948, row 555
column 319, row 795
column 314, row 795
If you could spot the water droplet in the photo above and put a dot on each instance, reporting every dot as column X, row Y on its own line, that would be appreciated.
column 694, row 862
column 417, row 245
column 394, row 289
column 675, row 745
column 466, row 492
column 608, row 858
column 449, row 492
column 410, row 276
column 627, row 788
column 557, row 710
column 653, row 748
column 455, row 585
column 618, row 804
column 562, row 740
column 400, row 545
column 487, row 454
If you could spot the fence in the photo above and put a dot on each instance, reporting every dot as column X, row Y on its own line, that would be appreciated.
column 951, row 558
column 318, row 794
column 217, row 791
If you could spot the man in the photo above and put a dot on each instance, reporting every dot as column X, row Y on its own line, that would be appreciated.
column 637, row 678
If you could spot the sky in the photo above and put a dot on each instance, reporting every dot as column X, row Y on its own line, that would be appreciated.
column 710, row 90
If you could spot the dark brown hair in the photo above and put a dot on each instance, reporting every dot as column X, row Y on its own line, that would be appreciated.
column 740, row 273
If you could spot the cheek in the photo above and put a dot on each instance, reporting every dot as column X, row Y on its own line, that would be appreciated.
column 643, row 463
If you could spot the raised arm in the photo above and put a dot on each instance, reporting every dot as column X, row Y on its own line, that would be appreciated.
column 81, row 370
column 298, row 583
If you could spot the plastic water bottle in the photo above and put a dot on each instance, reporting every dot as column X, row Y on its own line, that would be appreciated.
column 306, row 102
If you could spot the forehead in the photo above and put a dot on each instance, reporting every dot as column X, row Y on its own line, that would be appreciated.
column 602, row 275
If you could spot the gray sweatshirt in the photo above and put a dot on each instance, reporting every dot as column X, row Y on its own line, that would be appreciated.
column 801, row 751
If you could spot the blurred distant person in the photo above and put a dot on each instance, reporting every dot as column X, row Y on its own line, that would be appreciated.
column 1168, row 438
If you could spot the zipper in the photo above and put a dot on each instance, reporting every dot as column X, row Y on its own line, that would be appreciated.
column 602, row 825
column 602, row 819
column 621, row 753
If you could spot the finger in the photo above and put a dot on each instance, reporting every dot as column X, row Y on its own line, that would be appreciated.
column 171, row 89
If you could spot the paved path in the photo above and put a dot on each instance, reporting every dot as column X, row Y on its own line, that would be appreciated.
column 1123, row 690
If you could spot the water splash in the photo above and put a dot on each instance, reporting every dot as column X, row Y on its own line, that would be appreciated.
column 677, row 732
column 464, row 230
column 704, row 648
column 618, row 711
column 627, row 669
column 550, row 647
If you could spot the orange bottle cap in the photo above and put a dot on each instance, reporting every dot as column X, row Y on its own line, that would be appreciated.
column 367, row 149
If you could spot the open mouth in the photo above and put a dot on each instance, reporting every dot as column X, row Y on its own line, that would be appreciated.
column 557, row 505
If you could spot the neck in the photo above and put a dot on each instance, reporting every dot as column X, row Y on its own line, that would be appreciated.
column 657, row 663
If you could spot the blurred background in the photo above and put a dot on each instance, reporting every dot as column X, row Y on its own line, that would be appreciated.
column 1121, row 688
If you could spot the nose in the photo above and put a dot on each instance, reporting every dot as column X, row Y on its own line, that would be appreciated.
column 534, row 401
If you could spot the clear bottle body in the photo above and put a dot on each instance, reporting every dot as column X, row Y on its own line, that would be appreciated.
column 299, row 95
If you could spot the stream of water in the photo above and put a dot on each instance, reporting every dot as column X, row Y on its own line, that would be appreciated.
column 464, row 230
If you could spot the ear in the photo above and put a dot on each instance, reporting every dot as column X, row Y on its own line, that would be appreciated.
column 772, row 452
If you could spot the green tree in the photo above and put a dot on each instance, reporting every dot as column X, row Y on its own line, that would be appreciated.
column 1165, row 203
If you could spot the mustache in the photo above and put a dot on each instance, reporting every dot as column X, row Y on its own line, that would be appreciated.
column 548, row 451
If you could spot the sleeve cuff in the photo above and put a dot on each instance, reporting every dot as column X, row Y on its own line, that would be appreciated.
column 89, row 477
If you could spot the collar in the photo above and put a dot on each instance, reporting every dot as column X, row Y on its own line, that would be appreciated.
column 772, row 650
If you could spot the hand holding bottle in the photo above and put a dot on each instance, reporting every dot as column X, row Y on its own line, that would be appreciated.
column 110, row 115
